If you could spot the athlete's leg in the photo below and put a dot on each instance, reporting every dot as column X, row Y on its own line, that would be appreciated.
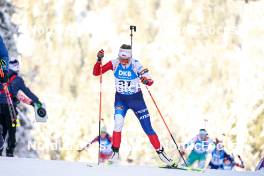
column 193, row 156
column 137, row 104
column 202, row 161
column 119, row 117
column 8, row 128
column 3, row 129
column 11, row 140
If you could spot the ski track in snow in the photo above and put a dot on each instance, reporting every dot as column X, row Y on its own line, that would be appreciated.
column 37, row 167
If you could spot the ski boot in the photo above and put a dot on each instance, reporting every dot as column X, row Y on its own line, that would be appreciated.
column 115, row 156
column 164, row 157
column 9, row 152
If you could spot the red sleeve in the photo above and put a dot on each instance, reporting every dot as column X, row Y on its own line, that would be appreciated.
column 105, row 68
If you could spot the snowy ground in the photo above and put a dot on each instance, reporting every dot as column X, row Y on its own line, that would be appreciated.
column 35, row 167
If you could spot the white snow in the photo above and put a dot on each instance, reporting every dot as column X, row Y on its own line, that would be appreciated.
column 37, row 167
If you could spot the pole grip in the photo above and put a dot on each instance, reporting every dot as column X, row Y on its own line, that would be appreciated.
column 132, row 28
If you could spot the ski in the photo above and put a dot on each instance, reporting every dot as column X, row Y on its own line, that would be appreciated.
column 163, row 167
column 183, row 168
column 101, row 164
column 89, row 165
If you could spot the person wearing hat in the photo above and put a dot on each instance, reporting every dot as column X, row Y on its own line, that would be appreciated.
column 201, row 146
column 128, row 74
column 218, row 156
column 4, row 58
column 105, row 145
column 230, row 163
column 15, row 84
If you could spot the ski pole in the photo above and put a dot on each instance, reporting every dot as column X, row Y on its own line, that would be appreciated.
column 100, row 110
column 205, row 123
column 241, row 162
column 177, row 147
column 133, row 28
column 11, row 108
column 85, row 147
column 82, row 149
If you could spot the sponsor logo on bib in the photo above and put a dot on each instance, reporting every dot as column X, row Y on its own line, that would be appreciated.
column 124, row 73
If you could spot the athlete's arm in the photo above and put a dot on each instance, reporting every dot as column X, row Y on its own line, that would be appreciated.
column 143, row 73
column 96, row 139
column 191, row 142
column 211, row 146
column 105, row 68
column 26, row 90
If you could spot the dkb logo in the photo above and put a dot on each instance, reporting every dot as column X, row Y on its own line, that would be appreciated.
column 124, row 73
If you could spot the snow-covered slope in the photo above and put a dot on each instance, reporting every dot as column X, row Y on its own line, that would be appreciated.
column 35, row 167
